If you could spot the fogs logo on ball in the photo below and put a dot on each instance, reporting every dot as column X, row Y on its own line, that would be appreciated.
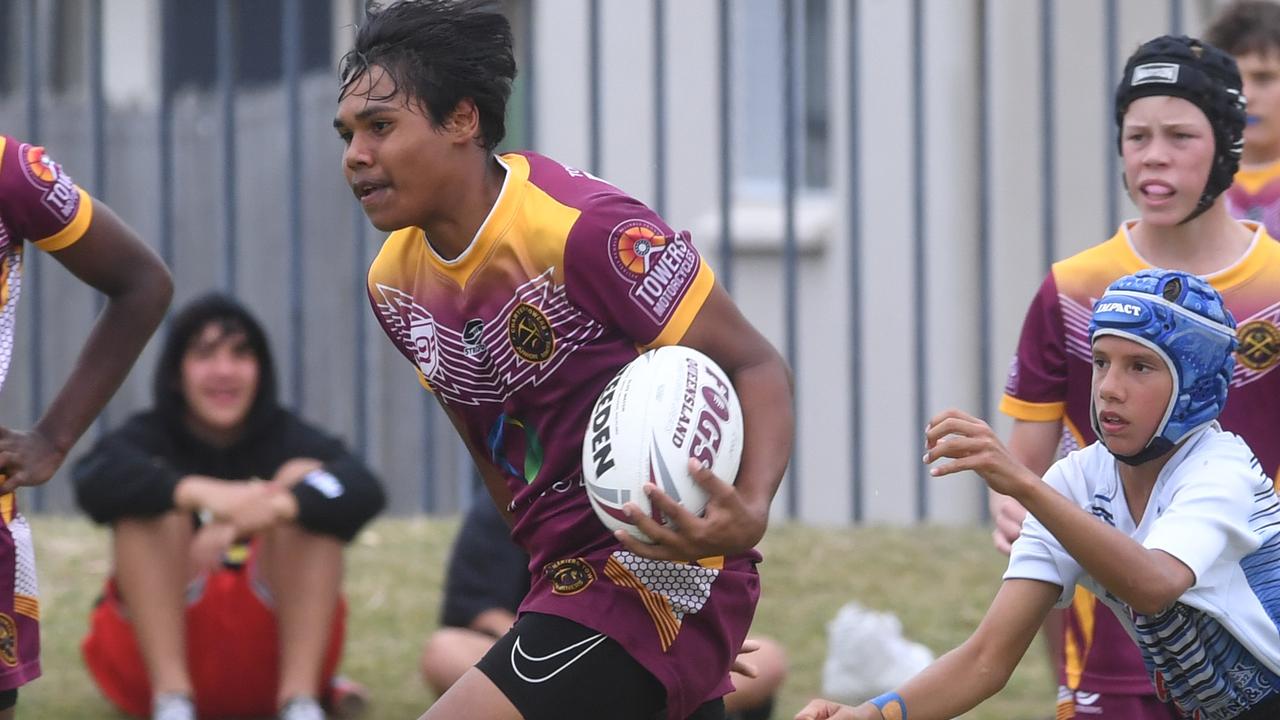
column 660, row 268
column 708, row 432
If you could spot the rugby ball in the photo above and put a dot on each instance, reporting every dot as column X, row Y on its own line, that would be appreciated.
column 664, row 407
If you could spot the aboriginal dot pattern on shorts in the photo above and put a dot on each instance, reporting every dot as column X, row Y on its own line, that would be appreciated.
column 686, row 586
column 24, row 551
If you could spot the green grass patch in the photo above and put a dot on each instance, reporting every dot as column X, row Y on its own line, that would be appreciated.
column 938, row 580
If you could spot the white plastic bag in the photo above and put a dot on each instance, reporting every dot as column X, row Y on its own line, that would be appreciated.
column 867, row 655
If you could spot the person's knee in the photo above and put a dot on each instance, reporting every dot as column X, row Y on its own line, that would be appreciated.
column 161, row 532
column 770, row 661
column 447, row 654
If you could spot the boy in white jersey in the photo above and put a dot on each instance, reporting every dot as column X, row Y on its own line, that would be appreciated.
column 1169, row 519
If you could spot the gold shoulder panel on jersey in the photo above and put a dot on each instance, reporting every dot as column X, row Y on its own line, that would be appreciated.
column 1263, row 256
column 541, row 230
column 1255, row 177
column 69, row 235
column 1090, row 271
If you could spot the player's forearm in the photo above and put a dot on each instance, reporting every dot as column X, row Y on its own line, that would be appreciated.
column 766, row 395
column 1136, row 575
column 114, row 343
column 954, row 684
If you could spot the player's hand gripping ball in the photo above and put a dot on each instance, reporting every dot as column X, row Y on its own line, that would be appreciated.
column 660, row 410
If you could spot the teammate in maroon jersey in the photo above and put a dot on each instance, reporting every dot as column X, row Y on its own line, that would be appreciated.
column 41, row 205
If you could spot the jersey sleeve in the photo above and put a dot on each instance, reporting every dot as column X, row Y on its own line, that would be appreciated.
column 1036, row 388
column 1037, row 554
column 627, row 269
column 1207, row 520
column 38, row 201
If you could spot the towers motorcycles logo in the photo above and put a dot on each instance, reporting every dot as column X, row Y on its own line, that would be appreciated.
column 60, row 194
column 660, row 267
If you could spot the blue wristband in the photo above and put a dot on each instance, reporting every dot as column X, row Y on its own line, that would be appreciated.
column 891, row 706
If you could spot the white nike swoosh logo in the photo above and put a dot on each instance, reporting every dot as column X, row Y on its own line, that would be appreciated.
column 518, row 652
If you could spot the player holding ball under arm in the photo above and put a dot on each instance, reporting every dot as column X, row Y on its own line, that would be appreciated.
column 517, row 287
column 1167, row 518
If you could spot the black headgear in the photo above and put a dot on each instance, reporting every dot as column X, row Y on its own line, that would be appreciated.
column 1207, row 77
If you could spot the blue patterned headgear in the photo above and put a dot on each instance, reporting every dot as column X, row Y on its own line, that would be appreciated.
column 1182, row 318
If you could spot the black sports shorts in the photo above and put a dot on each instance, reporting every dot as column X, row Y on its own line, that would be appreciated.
column 551, row 668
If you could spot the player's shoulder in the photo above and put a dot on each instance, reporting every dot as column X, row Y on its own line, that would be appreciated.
column 1087, row 274
column 596, row 200
column 393, row 255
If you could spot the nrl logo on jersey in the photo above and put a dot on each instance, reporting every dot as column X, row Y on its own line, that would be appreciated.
column 413, row 326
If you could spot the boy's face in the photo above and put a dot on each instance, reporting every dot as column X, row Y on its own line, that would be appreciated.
column 1167, row 145
column 1261, row 75
column 1131, row 392
column 219, row 379
column 396, row 160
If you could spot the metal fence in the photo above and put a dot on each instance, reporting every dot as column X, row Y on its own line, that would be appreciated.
column 881, row 185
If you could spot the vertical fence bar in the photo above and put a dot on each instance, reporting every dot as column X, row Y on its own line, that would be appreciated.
column 726, row 144
column 985, row 260
column 530, row 71
column 97, row 104
column 428, row 454
column 1111, row 29
column 31, row 60
column 98, row 140
column 855, row 268
column 1175, row 17
column 360, row 346
column 789, row 254
column 291, row 47
column 659, row 108
column 594, row 81
column 1048, row 170
column 225, row 19
column 917, row 244
column 164, row 122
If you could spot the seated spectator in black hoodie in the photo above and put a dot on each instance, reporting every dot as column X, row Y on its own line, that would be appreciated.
column 229, row 516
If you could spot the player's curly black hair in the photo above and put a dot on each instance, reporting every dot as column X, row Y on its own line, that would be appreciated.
column 438, row 53
column 1246, row 27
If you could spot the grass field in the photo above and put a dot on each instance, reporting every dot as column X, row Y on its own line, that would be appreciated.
column 937, row 580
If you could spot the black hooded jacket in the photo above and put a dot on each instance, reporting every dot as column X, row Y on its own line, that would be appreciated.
column 132, row 472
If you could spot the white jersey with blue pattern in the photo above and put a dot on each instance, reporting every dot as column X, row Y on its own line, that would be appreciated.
column 1216, row 652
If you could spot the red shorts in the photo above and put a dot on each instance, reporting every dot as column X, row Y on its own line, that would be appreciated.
column 232, row 650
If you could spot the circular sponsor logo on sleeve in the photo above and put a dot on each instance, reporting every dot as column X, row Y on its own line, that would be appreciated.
column 634, row 245
column 38, row 166
column 530, row 333
column 1259, row 345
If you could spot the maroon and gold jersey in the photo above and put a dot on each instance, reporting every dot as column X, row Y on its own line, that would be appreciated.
column 1255, row 195
column 567, row 281
column 1050, row 379
column 39, row 204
